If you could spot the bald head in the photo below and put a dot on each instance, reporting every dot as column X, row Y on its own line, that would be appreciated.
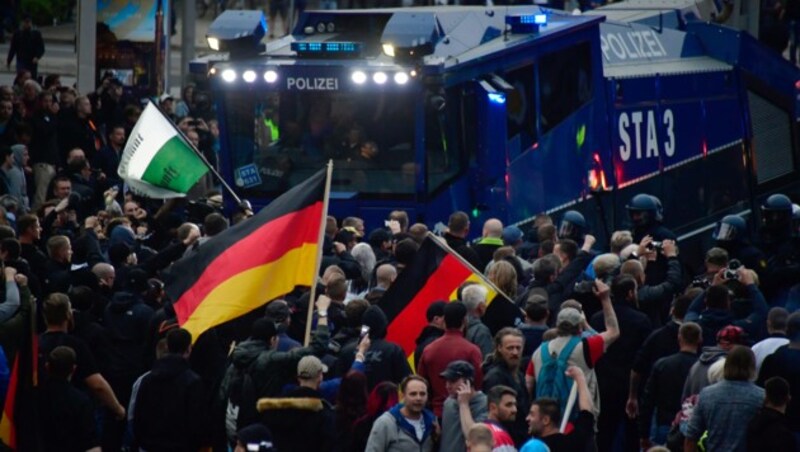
column 104, row 273
column 386, row 274
column 493, row 228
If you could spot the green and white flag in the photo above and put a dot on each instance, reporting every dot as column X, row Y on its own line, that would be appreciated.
column 157, row 162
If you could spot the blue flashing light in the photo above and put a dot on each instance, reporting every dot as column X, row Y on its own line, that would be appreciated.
column 527, row 23
column 327, row 48
column 497, row 98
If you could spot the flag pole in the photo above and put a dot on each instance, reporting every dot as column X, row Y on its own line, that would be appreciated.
column 199, row 154
column 320, row 239
column 439, row 241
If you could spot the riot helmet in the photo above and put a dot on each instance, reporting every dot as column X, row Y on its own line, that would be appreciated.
column 572, row 226
column 776, row 214
column 732, row 228
column 644, row 210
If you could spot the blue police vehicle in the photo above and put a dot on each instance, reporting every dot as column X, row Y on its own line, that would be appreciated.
column 510, row 111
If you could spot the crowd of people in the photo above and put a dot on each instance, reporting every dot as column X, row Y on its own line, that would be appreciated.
column 620, row 346
column 623, row 345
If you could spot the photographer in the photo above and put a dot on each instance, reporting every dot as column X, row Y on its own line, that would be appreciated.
column 717, row 313
column 654, row 299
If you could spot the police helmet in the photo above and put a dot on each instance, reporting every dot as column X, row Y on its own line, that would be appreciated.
column 732, row 228
column 572, row 226
column 776, row 212
column 648, row 207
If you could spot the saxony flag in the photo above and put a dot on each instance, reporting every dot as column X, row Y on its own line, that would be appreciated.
column 252, row 262
column 435, row 274
column 157, row 162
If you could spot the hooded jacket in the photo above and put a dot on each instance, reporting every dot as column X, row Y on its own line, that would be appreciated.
column 385, row 361
column 126, row 318
column 15, row 178
column 698, row 374
column 393, row 433
column 300, row 422
column 171, row 407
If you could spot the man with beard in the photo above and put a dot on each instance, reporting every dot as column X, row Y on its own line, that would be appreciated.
column 502, row 414
column 505, row 371
column 544, row 418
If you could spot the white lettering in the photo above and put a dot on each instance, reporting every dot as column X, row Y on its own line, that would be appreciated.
column 632, row 45
column 669, row 121
column 625, row 149
column 312, row 83
column 631, row 123
column 616, row 46
column 652, row 138
column 636, row 118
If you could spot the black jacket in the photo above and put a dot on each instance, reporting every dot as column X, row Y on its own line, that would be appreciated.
column 428, row 335
column 303, row 421
column 769, row 430
column 461, row 247
column 171, row 408
column 663, row 390
column 385, row 361
column 654, row 300
column 499, row 374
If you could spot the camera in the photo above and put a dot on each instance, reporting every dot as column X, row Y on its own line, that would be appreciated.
column 731, row 272
column 364, row 332
column 655, row 246
column 587, row 286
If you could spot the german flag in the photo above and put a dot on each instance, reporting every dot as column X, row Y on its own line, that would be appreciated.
column 435, row 274
column 18, row 423
column 252, row 262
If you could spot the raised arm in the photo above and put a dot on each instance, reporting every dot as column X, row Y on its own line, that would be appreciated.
column 611, row 334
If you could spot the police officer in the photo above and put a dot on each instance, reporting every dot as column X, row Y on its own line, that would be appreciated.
column 732, row 236
column 647, row 215
column 780, row 247
column 572, row 226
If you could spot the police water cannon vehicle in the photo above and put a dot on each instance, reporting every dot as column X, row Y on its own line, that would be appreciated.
column 507, row 112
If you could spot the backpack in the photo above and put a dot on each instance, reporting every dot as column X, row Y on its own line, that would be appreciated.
column 551, row 380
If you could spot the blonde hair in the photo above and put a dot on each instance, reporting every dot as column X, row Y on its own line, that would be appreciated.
column 504, row 276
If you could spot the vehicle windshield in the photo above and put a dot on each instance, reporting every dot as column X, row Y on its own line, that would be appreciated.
column 275, row 140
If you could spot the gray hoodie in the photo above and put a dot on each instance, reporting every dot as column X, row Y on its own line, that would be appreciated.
column 698, row 374
column 452, row 435
column 15, row 178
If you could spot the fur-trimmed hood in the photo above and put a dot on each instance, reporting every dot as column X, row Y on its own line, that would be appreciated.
column 290, row 403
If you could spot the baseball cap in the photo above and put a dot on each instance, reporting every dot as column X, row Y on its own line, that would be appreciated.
column 570, row 316
column 511, row 235
column 458, row 369
column 310, row 367
column 165, row 97
column 731, row 334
